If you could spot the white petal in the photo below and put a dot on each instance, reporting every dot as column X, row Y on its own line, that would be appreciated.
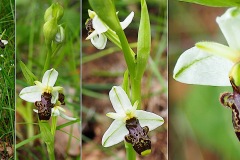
column 93, row 34
column 50, row 77
column 229, row 24
column 31, row 94
column 116, row 116
column 54, row 96
column 119, row 100
column 114, row 134
column 197, row 67
column 149, row 119
column 67, row 117
column 98, row 25
column 4, row 42
column 35, row 110
column 99, row 41
column 55, row 112
column 60, row 36
column 127, row 21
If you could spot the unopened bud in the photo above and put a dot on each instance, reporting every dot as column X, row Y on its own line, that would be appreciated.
column 50, row 29
column 54, row 11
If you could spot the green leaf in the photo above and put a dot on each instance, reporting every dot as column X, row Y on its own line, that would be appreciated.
column 215, row 3
column 144, row 40
column 27, row 140
column 29, row 76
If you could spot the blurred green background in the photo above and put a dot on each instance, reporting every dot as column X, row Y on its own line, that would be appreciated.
column 200, row 127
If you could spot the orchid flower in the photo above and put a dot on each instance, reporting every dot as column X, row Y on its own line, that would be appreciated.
column 33, row 93
column 209, row 63
column 97, row 29
column 125, row 112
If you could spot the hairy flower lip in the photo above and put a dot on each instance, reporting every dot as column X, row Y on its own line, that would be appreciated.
column 121, row 104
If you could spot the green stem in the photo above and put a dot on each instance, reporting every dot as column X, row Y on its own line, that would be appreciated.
column 128, row 55
column 47, row 137
column 48, row 59
column 131, row 154
column 29, row 120
column 136, row 90
column 54, row 125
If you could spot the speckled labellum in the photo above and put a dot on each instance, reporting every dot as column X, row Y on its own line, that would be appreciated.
column 138, row 137
column 232, row 101
column 89, row 26
column 44, row 106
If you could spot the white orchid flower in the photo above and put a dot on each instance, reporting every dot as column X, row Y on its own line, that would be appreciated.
column 125, row 111
column 33, row 93
column 209, row 63
column 98, row 39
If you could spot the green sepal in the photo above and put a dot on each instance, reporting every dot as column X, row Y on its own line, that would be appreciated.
column 144, row 40
column 29, row 76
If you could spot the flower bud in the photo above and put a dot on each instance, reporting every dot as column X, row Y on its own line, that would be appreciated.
column 50, row 29
column 235, row 74
column 54, row 11
column 60, row 36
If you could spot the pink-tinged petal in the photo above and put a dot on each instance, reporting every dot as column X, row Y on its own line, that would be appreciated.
column 149, row 119
column 31, row 94
column 50, row 77
column 119, row 100
column 115, row 134
column 99, row 41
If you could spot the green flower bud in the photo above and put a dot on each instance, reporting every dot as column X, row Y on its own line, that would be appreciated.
column 235, row 74
column 50, row 29
column 54, row 11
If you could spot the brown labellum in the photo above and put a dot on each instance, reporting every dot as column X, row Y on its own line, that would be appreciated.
column 44, row 106
column 232, row 101
column 138, row 136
